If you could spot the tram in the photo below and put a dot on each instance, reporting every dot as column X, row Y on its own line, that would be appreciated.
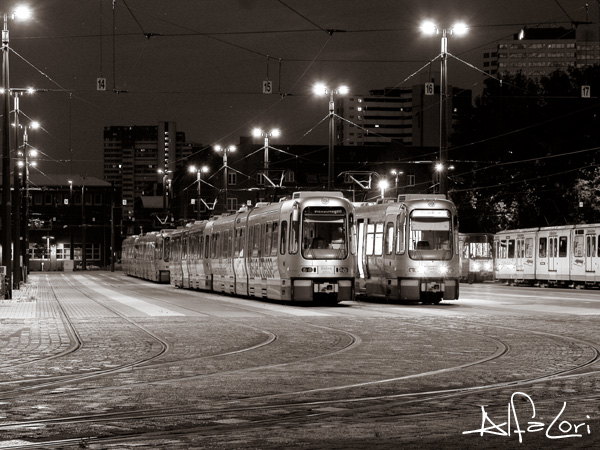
column 476, row 256
column 408, row 249
column 562, row 255
column 299, row 249
column 147, row 256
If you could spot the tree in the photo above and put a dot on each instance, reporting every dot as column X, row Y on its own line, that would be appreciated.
column 519, row 148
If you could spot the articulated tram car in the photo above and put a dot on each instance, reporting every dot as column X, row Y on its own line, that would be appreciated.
column 408, row 249
column 476, row 256
column 562, row 255
column 300, row 249
column 147, row 256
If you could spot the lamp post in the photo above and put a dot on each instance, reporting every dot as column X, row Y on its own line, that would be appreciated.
column 459, row 29
column 166, row 184
column 198, row 171
column 19, row 13
column 24, row 163
column 225, row 151
column 396, row 174
column 321, row 89
column 257, row 132
column 383, row 185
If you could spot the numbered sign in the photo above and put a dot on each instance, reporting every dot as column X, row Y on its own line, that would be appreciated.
column 100, row 84
column 124, row 202
column 267, row 87
column 586, row 91
column 429, row 89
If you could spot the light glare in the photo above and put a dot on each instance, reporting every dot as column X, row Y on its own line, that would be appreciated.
column 429, row 27
column 460, row 29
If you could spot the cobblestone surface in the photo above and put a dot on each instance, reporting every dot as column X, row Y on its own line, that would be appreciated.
column 243, row 374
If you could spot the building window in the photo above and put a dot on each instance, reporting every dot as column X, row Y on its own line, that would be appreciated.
column 232, row 179
column 232, row 204
column 410, row 179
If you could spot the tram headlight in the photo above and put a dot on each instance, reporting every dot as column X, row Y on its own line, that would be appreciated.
column 443, row 269
column 421, row 270
column 488, row 266
column 476, row 266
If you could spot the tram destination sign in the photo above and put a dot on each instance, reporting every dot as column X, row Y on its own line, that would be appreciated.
column 328, row 211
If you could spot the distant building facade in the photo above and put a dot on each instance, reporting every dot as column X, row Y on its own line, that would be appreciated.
column 402, row 115
column 140, row 161
column 537, row 52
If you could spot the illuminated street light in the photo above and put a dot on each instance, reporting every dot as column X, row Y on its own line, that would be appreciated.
column 430, row 28
column 25, row 162
column 320, row 89
column 18, row 13
column 383, row 185
column 396, row 174
column 225, row 150
column 166, row 184
column 198, row 171
column 257, row 132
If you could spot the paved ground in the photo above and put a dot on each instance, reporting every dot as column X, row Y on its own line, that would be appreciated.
column 100, row 360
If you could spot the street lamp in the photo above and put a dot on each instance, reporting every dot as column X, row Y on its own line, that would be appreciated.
column 459, row 29
column 23, row 163
column 257, row 132
column 225, row 150
column 396, row 174
column 166, row 184
column 198, row 171
column 321, row 90
column 383, row 185
column 19, row 13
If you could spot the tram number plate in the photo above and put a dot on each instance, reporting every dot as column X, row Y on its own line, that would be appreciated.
column 432, row 287
column 326, row 269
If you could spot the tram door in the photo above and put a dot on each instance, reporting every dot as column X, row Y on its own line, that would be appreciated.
column 520, row 255
column 590, row 252
column 552, row 253
column 362, row 261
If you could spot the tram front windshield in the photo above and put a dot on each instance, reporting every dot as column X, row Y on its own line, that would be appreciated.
column 324, row 233
column 430, row 235
column 480, row 247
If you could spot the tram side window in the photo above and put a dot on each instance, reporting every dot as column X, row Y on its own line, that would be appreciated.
column 379, row 239
column 562, row 246
column 511, row 248
column 389, row 238
column 227, row 244
column 283, row 242
column 370, row 239
column 267, row 239
column 578, row 246
column 239, row 243
column 529, row 248
column 400, row 224
column 294, row 234
column 274, row 238
column 543, row 247
column 256, row 241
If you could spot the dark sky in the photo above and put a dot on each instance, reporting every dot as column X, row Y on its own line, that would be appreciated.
column 205, row 61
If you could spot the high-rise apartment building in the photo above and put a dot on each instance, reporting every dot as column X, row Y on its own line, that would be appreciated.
column 141, row 160
column 536, row 52
column 400, row 115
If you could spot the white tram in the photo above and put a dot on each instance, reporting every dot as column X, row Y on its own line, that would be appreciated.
column 561, row 255
column 147, row 256
column 299, row 249
column 476, row 256
column 408, row 249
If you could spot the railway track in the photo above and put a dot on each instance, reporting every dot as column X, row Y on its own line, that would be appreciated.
column 371, row 399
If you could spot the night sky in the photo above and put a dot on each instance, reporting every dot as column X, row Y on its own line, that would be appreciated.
column 202, row 63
